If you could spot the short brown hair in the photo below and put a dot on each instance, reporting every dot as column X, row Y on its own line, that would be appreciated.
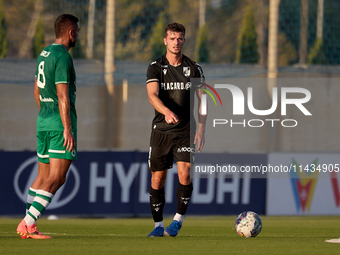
column 62, row 24
column 174, row 27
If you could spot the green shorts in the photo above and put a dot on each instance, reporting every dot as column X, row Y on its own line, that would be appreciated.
column 50, row 145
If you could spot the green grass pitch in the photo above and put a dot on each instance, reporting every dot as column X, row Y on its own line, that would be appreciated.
column 199, row 235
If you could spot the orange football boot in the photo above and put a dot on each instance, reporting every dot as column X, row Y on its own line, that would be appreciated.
column 30, row 231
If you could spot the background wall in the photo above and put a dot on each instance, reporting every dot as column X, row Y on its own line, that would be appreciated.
column 101, row 117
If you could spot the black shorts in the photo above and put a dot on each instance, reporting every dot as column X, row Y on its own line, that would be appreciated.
column 165, row 147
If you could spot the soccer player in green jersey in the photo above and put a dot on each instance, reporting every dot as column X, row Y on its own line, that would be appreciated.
column 55, row 93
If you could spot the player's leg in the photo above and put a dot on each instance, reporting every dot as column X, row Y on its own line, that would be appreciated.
column 182, row 153
column 29, row 230
column 57, row 175
column 43, row 171
column 43, row 197
column 159, row 161
column 183, row 195
column 60, row 161
column 43, row 144
column 184, row 190
column 157, row 201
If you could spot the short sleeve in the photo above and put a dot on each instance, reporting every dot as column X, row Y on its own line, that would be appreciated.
column 64, row 67
column 153, row 73
column 200, row 74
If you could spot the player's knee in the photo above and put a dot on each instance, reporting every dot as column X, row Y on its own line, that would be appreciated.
column 62, row 181
column 157, row 182
column 41, row 178
column 58, row 181
column 184, row 178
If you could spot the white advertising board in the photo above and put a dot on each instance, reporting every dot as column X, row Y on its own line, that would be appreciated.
column 310, row 187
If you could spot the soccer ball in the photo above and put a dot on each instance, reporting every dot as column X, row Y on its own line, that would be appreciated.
column 248, row 224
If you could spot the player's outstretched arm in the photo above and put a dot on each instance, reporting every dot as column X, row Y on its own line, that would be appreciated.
column 153, row 90
column 199, row 137
column 36, row 93
column 64, row 109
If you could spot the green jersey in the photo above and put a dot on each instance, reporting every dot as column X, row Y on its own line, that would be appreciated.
column 55, row 66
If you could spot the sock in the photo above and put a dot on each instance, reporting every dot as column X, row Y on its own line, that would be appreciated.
column 30, row 198
column 179, row 217
column 183, row 195
column 159, row 224
column 40, row 203
column 157, row 201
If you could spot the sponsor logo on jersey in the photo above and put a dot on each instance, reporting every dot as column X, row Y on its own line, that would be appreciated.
column 45, row 99
column 185, row 149
column 164, row 71
column 45, row 53
column 187, row 85
column 186, row 71
column 174, row 86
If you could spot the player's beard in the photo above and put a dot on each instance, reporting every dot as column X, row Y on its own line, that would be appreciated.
column 72, row 44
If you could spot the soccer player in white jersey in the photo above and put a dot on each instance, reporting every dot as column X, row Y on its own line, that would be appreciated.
column 55, row 93
column 168, row 87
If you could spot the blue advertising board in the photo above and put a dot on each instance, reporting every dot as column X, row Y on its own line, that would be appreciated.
column 118, row 183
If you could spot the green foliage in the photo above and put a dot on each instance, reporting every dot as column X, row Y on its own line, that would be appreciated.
column 38, row 41
column 246, row 51
column 201, row 50
column 3, row 32
column 286, row 51
column 316, row 54
column 156, row 41
column 132, row 49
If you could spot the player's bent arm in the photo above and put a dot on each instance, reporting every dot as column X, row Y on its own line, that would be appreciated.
column 153, row 91
column 64, row 109
column 36, row 93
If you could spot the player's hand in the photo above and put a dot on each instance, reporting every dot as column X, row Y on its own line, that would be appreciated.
column 199, row 140
column 170, row 117
column 69, row 141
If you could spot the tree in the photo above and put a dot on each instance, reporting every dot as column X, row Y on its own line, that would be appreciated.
column 246, row 51
column 316, row 54
column 26, row 44
column 201, row 50
column 261, row 24
column 304, row 15
column 3, row 32
column 38, row 41
column 156, row 39
column 286, row 51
